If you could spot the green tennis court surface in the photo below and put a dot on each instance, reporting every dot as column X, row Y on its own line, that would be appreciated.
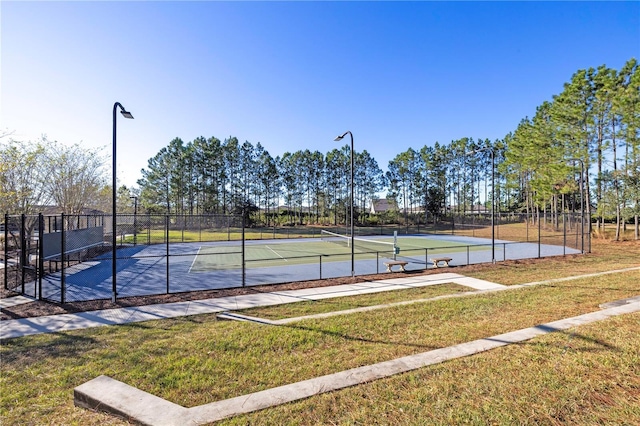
column 307, row 252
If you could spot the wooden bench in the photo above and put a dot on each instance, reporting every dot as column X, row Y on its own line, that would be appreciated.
column 391, row 263
column 435, row 261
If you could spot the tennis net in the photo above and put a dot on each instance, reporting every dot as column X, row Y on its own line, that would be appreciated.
column 363, row 245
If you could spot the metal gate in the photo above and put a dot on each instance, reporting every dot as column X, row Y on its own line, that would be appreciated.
column 21, row 247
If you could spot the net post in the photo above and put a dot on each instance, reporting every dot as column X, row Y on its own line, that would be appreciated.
column 426, row 258
column 395, row 244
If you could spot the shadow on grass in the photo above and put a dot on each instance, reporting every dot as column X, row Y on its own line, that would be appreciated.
column 61, row 345
column 597, row 344
column 565, row 285
column 359, row 339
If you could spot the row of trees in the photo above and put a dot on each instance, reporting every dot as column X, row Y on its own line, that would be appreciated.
column 213, row 176
column 589, row 133
column 46, row 173
column 595, row 123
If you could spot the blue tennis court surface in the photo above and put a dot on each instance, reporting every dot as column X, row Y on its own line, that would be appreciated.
column 147, row 270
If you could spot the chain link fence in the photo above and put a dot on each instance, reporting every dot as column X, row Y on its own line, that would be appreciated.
column 63, row 258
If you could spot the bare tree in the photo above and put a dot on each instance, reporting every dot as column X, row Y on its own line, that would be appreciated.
column 75, row 176
column 22, row 176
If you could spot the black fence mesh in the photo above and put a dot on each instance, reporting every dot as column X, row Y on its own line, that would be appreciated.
column 63, row 258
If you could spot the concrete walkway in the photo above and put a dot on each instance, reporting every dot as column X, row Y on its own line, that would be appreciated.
column 67, row 322
column 15, row 301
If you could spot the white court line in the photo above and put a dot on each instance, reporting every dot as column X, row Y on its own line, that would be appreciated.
column 278, row 254
column 194, row 260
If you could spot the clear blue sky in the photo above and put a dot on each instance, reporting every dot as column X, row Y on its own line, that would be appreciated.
column 293, row 75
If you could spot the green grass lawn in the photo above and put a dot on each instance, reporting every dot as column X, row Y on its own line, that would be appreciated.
column 587, row 375
column 298, row 309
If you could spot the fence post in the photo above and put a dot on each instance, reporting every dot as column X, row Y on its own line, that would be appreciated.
column 539, row 233
column 24, row 256
column 184, row 224
column 40, row 268
column 166, row 233
column 244, row 269
column 589, row 233
column 63, row 249
column 320, row 258
column 564, row 234
column 6, row 251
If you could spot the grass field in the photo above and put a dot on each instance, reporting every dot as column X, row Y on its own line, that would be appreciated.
column 295, row 252
column 344, row 303
column 587, row 375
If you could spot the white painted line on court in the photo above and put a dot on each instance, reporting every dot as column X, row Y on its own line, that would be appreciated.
column 277, row 254
column 194, row 259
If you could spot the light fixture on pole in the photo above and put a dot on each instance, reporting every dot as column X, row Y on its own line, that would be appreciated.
column 581, row 200
column 493, row 198
column 337, row 139
column 126, row 114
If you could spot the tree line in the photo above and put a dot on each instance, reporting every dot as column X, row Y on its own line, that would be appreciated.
column 34, row 176
column 210, row 176
column 588, row 134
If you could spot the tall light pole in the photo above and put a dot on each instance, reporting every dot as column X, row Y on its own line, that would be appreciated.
column 337, row 139
column 114, row 271
column 493, row 199
column 135, row 217
column 581, row 200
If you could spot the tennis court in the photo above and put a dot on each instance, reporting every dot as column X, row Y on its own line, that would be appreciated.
column 182, row 267
column 332, row 248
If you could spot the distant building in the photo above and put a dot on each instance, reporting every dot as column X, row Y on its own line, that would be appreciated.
column 380, row 205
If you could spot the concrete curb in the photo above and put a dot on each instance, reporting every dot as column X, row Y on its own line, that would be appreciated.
column 112, row 396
